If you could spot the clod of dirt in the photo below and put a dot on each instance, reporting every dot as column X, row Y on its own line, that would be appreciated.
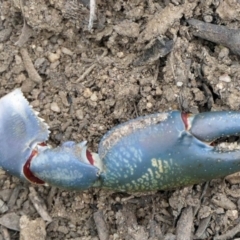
column 32, row 229
column 128, row 29
column 161, row 22
column 229, row 10
column 159, row 48
column 222, row 201
column 233, row 178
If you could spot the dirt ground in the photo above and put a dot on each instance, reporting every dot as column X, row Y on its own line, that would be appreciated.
column 140, row 58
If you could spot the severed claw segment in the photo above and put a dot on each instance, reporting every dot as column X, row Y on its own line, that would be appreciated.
column 21, row 131
column 159, row 151
column 66, row 166
column 24, row 153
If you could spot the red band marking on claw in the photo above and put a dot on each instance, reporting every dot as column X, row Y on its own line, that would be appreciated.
column 185, row 120
column 28, row 173
column 43, row 144
column 89, row 157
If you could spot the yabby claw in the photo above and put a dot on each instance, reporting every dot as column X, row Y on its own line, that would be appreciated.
column 157, row 152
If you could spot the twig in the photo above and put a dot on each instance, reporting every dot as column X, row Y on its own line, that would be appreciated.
column 89, row 69
column 202, row 226
column 184, row 225
column 32, row 72
column 196, row 208
column 92, row 16
column 5, row 233
column 218, row 34
column 13, row 198
column 101, row 225
column 51, row 195
column 230, row 234
column 39, row 205
column 86, row 72
column 27, row 31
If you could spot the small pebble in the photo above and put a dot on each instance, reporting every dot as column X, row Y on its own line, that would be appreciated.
column 179, row 84
column 27, row 85
column 39, row 62
column 232, row 214
column 5, row 34
column 158, row 91
column 18, row 59
column 39, row 49
column 54, row 65
column 94, row 97
column 225, row 78
column 35, row 103
column 79, row 114
column 63, row 229
column 87, row 93
column 149, row 105
column 67, row 51
column 219, row 211
column 220, row 86
column 120, row 54
column 45, row 43
column 55, row 108
column 208, row 18
column 53, row 57
column 224, row 52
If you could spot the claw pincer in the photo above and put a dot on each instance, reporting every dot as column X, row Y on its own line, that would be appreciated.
column 167, row 150
column 159, row 151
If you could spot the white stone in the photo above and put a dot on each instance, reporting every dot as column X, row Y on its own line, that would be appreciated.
column 225, row 78
column 55, row 108
column 179, row 84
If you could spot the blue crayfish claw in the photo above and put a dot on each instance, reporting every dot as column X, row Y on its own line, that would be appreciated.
column 22, row 133
column 159, row 151
column 168, row 150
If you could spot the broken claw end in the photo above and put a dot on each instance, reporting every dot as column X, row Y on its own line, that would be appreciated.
column 21, row 130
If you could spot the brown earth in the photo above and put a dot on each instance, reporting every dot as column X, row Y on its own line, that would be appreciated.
column 84, row 83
